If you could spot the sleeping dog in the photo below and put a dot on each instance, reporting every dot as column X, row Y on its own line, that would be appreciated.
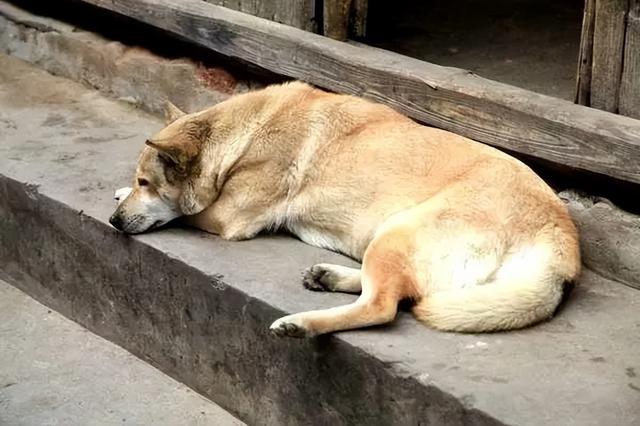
column 472, row 236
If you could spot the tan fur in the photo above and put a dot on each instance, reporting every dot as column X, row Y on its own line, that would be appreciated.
column 470, row 234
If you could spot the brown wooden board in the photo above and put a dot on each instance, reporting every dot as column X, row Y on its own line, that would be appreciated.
column 358, row 18
column 585, row 56
column 608, row 43
column 630, row 84
column 336, row 18
column 449, row 98
column 297, row 13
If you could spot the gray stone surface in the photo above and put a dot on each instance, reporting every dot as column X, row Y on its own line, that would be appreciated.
column 54, row 372
column 198, row 308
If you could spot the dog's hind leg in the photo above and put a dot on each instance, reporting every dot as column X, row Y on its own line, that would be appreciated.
column 328, row 277
column 386, row 279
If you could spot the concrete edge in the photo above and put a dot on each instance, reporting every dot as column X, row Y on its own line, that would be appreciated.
column 259, row 379
column 610, row 237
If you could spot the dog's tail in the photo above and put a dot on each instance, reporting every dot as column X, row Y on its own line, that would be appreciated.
column 527, row 288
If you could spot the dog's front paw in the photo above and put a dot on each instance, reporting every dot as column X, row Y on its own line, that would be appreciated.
column 122, row 193
column 313, row 279
column 288, row 327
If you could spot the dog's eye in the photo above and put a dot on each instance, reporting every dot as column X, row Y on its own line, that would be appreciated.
column 142, row 182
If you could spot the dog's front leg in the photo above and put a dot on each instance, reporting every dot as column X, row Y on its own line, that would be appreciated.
column 228, row 225
column 328, row 277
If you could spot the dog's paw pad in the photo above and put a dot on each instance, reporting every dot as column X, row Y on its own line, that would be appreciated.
column 312, row 279
column 287, row 329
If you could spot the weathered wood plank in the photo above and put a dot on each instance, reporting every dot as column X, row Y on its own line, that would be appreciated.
column 249, row 6
column 336, row 18
column 358, row 17
column 608, row 42
column 585, row 55
column 266, row 9
column 233, row 4
column 449, row 98
column 630, row 84
column 299, row 13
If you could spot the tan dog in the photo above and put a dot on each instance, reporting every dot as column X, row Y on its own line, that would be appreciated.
column 471, row 235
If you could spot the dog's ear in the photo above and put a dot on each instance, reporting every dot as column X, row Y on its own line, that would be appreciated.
column 171, row 113
column 171, row 151
column 184, row 143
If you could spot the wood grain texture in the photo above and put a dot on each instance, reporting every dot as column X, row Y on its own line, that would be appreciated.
column 449, row 98
column 585, row 55
column 608, row 43
column 336, row 18
column 358, row 18
column 298, row 13
column 232, row 4
column 249, row 6
column 629, row 104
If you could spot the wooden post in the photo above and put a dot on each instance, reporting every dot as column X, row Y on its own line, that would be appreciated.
column 585, row 56
column 250, row 7
column 298, row 13
column 608, row 43
column 630, row 84
column 358, row 18
column 336, row 18
column 232, row 4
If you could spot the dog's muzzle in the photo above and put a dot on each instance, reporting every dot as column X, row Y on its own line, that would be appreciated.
column 116, row 221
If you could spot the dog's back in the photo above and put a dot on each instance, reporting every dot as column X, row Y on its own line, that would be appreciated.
column 478, row 241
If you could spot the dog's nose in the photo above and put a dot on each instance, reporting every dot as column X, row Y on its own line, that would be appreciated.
column 116, row 221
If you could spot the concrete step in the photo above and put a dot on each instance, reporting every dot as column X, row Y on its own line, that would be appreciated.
column 53, row 371
column 198, row 308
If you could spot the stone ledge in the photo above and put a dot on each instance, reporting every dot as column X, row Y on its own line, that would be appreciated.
column 198, row 308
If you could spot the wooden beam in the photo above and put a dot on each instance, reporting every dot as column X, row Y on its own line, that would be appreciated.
column 453, row 99
column 630, row 84
column 608, row 43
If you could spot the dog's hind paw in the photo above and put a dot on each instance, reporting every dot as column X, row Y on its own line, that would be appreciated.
column 312, row 279
column 284, row 328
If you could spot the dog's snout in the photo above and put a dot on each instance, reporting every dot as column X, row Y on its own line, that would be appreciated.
column 116, row 221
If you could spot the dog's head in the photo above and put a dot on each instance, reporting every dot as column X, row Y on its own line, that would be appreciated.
column 169, row 181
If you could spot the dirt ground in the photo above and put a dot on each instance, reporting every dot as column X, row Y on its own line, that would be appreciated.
column 532, row 44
